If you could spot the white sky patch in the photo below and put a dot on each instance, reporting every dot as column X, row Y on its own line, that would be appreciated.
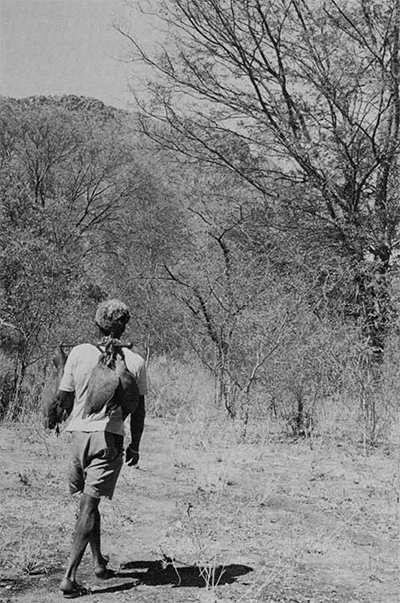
column 54, row 47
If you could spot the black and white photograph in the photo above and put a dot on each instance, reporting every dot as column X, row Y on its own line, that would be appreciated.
column 200, row 301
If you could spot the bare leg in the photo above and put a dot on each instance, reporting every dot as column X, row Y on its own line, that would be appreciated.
column 84, row 530
column 99, row 561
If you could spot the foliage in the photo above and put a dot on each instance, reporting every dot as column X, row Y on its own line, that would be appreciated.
column 301, row 100
column 224, row 250
column 73, row 198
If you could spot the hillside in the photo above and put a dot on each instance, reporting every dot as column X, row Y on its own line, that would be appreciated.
column 71, row 102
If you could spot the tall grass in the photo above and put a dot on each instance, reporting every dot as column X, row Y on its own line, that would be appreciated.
column 321, row 387
column 357, row 409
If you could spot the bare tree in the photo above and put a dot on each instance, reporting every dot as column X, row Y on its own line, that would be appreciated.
column 309, row 92
column 233, row 318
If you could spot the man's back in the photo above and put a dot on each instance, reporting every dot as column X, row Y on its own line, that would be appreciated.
column 78, row 369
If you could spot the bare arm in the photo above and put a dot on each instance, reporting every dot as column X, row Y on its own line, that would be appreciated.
column 137, row 426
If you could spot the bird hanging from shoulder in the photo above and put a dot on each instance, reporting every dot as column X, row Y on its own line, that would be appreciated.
column 111, row 385
column 52, row 408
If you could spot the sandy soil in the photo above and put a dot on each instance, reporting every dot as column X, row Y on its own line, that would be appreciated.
column 204, row 521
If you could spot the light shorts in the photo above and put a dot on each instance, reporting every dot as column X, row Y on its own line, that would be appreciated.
column 95, row 462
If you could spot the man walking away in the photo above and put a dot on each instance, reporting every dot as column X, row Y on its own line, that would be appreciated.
column 98, row 432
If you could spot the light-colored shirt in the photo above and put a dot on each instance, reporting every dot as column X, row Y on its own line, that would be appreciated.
column 78, row 368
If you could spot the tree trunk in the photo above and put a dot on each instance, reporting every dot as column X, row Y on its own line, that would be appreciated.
column 375, row 310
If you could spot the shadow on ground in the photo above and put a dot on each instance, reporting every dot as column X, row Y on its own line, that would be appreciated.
column 159, row 573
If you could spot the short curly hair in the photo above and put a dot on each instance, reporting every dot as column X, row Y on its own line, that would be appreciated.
column 112, row 316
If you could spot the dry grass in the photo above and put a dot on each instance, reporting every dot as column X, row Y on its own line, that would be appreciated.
column 260, row 520
column 312, row 524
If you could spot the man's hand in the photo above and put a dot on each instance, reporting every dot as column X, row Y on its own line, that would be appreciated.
column 131, row 457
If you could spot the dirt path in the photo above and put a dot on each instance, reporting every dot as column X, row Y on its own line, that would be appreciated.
column 199, row 522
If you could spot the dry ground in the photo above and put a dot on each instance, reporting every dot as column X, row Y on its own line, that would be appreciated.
column 203, row 519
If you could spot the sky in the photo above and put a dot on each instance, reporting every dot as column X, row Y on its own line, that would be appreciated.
column 55, row 47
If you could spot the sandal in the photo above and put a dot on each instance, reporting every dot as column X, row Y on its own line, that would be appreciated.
column 103, row 573
column 71, row 589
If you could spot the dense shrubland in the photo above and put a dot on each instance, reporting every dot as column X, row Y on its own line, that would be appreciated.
column 82, row 218
column 253, row 236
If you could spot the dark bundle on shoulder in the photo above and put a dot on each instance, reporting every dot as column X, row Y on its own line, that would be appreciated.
column 53, row 410
column 111, row 384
